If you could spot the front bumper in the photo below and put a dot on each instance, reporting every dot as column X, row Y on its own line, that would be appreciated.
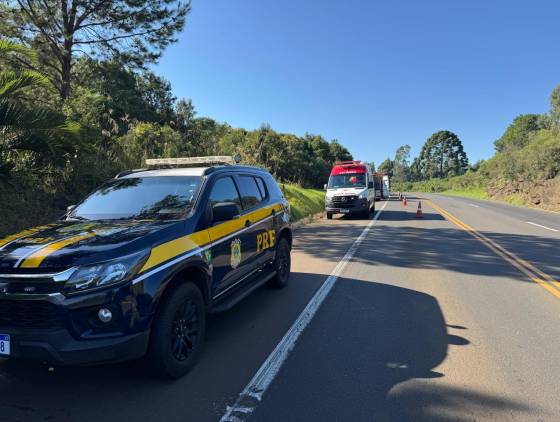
column 58, row 347
column 349, row 207
column 66, row 331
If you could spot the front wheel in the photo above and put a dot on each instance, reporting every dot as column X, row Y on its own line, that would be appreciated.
column 282, row 265
column 177, row 332
column 329, row 216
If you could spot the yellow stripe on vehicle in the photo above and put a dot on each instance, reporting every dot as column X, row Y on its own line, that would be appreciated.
column 176, row 247
column 22, row 234
column 169, row 250
column 37, row 257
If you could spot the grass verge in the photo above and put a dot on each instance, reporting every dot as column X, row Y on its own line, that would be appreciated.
column 303, row 202
column 476, row 193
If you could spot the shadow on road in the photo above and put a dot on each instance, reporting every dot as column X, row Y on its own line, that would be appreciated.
column 367, row 339
column 447, row 248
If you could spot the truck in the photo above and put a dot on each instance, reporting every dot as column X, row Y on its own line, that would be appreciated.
column 381, row 185
column 350, row 190
column 386, row 187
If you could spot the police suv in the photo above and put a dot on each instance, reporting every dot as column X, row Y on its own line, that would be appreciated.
column 133, row 269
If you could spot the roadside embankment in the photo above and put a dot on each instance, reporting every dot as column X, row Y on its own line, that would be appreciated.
column 542, row 194
column 303, row 202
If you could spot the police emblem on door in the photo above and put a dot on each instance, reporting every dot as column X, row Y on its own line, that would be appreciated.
column 235, row 253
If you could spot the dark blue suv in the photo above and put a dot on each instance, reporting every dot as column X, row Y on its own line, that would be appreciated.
column 133, row 270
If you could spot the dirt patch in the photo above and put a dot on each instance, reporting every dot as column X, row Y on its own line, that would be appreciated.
column 543, row 194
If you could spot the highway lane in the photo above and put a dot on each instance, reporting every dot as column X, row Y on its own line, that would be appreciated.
column 549, row 219
column 507, row 225
column 426, row 323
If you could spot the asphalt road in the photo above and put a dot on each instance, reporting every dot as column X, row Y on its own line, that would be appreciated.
column 424, row 322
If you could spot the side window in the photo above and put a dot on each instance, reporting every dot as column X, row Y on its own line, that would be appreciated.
column 262, row 187
column 250, row 193
column 224, row 190
column 273, row 188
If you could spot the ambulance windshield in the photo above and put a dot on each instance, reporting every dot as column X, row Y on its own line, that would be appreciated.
column 348, row 180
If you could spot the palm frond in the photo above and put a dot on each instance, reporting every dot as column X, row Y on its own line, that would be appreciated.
column 7, row 47
column 12, row 82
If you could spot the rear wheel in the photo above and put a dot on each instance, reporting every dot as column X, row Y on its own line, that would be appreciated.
column 329, row 216
column 177, row 332
column 282, row 265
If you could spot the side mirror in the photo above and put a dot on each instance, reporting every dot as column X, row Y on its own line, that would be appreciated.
column 325, row 186
column 370, row 185
column 70, row 208
column 224, row 211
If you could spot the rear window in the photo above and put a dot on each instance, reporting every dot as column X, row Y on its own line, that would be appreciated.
column 262, row 187
column 273, row 188
column 251, row 195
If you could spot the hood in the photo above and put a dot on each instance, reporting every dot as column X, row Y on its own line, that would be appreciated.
column 68, row 243
column 345, row 191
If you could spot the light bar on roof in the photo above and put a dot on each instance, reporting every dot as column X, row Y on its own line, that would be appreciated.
column 192, row 161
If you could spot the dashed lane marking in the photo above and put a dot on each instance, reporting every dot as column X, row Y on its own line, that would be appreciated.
column 542, row 227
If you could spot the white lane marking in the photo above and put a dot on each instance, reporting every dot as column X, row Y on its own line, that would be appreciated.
column 252, row 393
column 543, row 227
column 473, row 205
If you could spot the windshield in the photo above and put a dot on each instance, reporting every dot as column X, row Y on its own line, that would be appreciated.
column 349, row 180
column 162, row 198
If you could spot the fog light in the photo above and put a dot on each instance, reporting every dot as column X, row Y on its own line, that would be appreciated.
column 105, row 315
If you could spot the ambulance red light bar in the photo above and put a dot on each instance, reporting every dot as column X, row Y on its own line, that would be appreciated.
column 346, row 167
column 345, row 163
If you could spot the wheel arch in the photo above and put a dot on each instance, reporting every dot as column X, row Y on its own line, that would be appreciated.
column 193, row 273
column 286, row 233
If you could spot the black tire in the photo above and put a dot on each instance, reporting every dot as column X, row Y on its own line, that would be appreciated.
column 364, row 214
column 329, row 216
column 282, row 265
column 177, row 332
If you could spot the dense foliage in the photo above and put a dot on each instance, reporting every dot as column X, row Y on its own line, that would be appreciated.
column 125, row 117
column 62, row 134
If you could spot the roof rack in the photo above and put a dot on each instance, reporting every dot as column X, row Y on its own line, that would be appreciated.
column 193, row 161
column 344, row 163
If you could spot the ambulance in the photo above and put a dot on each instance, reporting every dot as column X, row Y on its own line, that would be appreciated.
column 350, row 190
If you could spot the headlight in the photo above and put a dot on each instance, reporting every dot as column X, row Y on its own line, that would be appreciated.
column 105, row 273
column 363, row 195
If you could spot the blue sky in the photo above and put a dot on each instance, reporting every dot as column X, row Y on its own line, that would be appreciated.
column 373, row 74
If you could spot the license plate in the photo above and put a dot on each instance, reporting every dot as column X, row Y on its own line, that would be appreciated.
column 4, row 345
column 344, row 211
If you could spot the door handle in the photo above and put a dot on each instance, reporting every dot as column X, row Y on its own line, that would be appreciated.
column 247, row 223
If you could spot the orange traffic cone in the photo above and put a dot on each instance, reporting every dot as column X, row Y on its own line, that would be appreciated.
column 405, row 203
column 419, row 210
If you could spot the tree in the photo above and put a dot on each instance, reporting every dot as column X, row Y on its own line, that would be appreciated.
column 442, row 155
column 141, row 96
column 30, row 128
column 401, row 164
column 339, row 152
column 133, row 31
column 386, row 166
column 555, row 105
column 371, row 166
column 517, row 133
